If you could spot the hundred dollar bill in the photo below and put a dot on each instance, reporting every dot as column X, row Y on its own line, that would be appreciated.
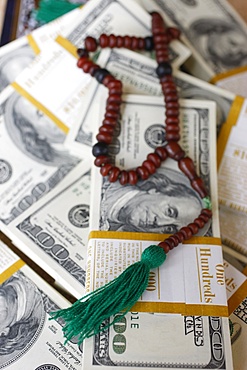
column 54, row 231
column 112, row 16
column 33, row 159
column 17, row 55
column 151, row 341
column 149, row 206
column 137, row 72
column 28, row 339
column 213, row 31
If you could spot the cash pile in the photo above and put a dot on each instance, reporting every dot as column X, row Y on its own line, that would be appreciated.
column 52, row 198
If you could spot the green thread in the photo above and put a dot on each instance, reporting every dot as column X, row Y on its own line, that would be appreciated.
column 207, row 202
column 85, row 317
column 49, row 10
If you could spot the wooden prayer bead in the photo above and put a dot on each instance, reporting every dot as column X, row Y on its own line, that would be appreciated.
column 149, row 166
column 187, row 233
column 171, row 97
column 124, row 178
column 120, row 42
column 186, row 165
column 105, row 169
column 127, row 42
column 104, row 40
column 172, row 128
column 117, row 99
column 112, row 41
column 172, row 120
column 107, row 79
column 155, row 159
column 173, row 32
column 199, row 222
column 134, row 43
column 198, row 186
column 111, row 114
column 207, row 212
column 101, row 160
column 110, row 121
column 172, row 105
column 142, row 172
column 162, row 153
column 162, row 38
column 113, row 106
column 172, row 112
column 104, row 137
column 107, row 128
column 115, row 84
column 133, row 178
column 180, row 236
column 171, row 243
column 174, row 151
column 90, row 43
column 141, row 43
column 172, row 136
column 174, row 239
column 81, row 61
column 165, row 246
column 194, row 228
column 204, row 218
column 82, row 53
column 114, row 173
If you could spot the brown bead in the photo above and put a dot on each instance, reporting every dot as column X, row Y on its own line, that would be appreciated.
column 111, row 114
column 174, row 239
column 172, row 105
column 157, row 30
column 105, row 169
column 133, row 178
column 171, row 97
column 149, row 166
column 180, row 236
column 93, row 69
column 127, row 42
column 104, row 138
column 193, row 227
column 114, row 173
column 114, row 99
column 113, row 106
column 104, row 40
column 186, row 165
column 155, row 159
column 165, row 246
column 187, row 233
column 159, row 46
column 167, row 81
column 81, row 61
column 124, row 178
column 168, row 90
column 162, row 58
column 207, row 212
column 172, row 128
column 86, row 66
column 170, row 242
column 107, row 79
column 172, row 112
column 115, row 91
column 120, row 42
column 175, row 151
column 90, row 43
column 107, row 128
column 142, row 172
column 162, row 153
column 173, row 32
column 172, row 120
column 198, row 186
column 172, row 136
column 112, row 41
column 101, row 160
column 199, row 222
column 134, row 43
column 204, row 218
column 141, row 43
column 109, row 121
column 163, row 38
column 115, row 84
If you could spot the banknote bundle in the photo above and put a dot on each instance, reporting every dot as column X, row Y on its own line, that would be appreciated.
column 82, row 229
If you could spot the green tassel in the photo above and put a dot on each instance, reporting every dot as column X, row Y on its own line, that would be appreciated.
column 48, row 10
column 84, row 317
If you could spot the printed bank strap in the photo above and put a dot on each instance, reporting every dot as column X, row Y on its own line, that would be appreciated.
column 9, row 262
column 54, row 84
column 190, row 282
column 234, row 80
column 236, row 286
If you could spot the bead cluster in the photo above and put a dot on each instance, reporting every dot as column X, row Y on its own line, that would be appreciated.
column 159, row 41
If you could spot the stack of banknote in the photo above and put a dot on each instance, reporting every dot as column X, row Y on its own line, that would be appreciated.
column 55, row 206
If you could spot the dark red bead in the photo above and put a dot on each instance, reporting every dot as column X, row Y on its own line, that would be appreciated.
column 171, row 97
column 141, row 43
column 172, row 128
column 82, row 53
column 114, row 99
column 172, row 112
column 115, row 84
column 175, row 151
column 198, row 186
column 114, row 173
column 101, row 160
column 93, row 69
column 165, row 246
column 104, row 137
column 105, row 169
column 199, row 222
column 162, row 153
column 207, row 212
column 155, row 159
column 174, row 239
column 124, row 178
column 107, row 79
column 115, row 91
column 204, row 218
column 104, row 40
column 186, row 165
column 109, row 121
column 127, row 42
column 87, row 65
column 172, row 136
column 187, row 233
column 107, row 128
column 142, row 172
column 180, row 236
column 81, row 61
column 120, row 42
column 172, row 120
column 133, row 178
column 134, row 43
column 193, row 227
column 90, row 43
column 113, row 106
column 111, row 114
column 112, row 41
column 173, row 32
column 149, row 166
column 171, row 243
column 172, row 105
column 162, row 38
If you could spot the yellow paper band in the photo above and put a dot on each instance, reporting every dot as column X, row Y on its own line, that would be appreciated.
column 11, row 270
column 226, row 74
column 235, row 300
column 33, row 44
column 67, row 45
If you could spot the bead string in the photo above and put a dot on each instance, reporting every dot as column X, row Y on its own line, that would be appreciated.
column 159, row 41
